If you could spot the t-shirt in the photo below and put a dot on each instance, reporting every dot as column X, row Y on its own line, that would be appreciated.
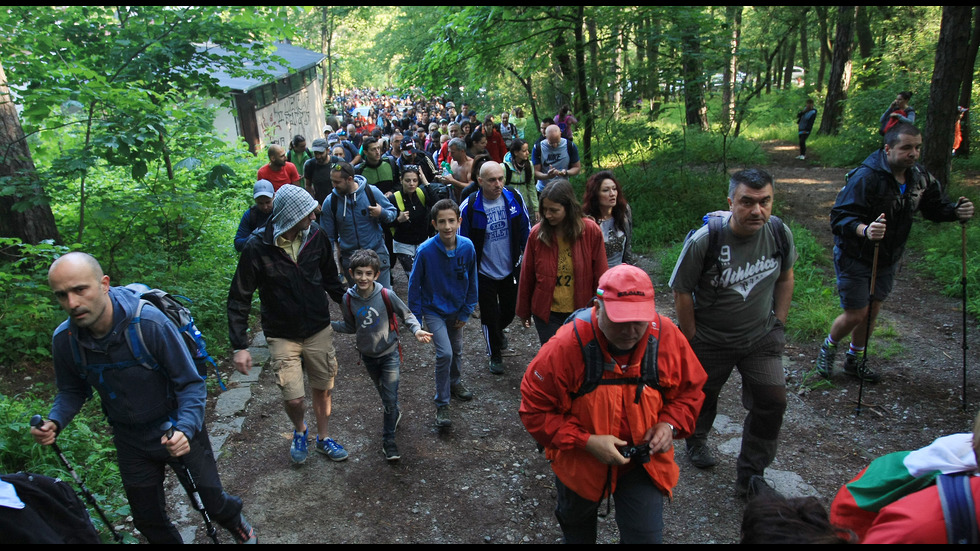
column 285, row 175
column 563, row 299
column 564, row 155
column 615, row 240
column 733, row 307
column 496, row 262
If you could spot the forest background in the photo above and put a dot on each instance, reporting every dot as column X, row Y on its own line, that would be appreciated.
column 107, row 142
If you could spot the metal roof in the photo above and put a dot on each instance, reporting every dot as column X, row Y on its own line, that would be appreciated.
column 297, row 59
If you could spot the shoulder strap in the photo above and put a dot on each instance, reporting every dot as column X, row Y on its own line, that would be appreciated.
column 959, row 509
column 779, row 233
column 392, row 320
column 715, row 227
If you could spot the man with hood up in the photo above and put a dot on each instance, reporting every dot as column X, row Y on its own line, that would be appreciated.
column 290, row 262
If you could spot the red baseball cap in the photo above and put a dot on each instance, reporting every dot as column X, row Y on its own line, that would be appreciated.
column 627, row 294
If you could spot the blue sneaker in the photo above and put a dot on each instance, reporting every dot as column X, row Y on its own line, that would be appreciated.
column 298, row 451
column 331, row 449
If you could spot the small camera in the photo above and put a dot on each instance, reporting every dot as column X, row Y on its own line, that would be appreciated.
column 641, row 452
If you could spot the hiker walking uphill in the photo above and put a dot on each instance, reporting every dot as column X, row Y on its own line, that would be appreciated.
column 874, row 212
column 290, row 262
column 91, row 350
column 733, row 284
column 606, row 397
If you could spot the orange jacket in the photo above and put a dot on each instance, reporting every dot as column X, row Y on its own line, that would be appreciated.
column 563, row 425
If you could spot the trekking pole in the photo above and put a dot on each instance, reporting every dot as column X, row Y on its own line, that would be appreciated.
column 867, row 336
column 191, row 487
column 36, row 422
column 963, row 281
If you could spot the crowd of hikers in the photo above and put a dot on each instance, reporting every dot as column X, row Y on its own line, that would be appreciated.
column 480, row 213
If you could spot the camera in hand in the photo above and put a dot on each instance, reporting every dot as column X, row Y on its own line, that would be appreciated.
column 641, row 452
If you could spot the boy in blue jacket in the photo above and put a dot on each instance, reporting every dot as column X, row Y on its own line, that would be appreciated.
column 442, row 291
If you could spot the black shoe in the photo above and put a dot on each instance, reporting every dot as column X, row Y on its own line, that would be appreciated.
column 497, row 367
column 442, row 416
column 701, row 457
column 390, row 450
column 460, row 392
column 756, row 487
column 859, row 370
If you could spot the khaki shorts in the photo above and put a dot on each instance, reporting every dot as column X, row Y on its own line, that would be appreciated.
column 290, row 356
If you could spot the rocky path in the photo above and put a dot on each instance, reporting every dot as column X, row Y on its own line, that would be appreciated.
column 482, row 481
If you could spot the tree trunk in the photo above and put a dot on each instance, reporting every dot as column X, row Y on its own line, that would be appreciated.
column 694, row 105
column 788, row 72
column 595, row 64
column 585, row 108
column 35, row 222
column 937, row 139
column 653, row 61
column 825, row 49
column 966, row 88
column 733, row 16
column 805, row 52
column 840, row 72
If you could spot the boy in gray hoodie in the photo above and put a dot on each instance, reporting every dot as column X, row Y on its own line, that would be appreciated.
column 369, row 311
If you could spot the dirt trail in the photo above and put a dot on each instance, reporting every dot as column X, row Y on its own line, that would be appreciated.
column 482, row 480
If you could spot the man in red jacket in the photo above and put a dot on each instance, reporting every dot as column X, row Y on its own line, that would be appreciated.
column 606, row 397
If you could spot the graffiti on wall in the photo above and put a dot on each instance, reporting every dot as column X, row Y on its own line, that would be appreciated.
column 300, row 113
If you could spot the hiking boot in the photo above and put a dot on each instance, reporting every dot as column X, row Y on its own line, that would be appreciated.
column 298, row 451
column 755, row 486
column 331, row 449
column 461, row 392
column 858, row 369
column 390, row 450
column 244, row 533
column 825, row 360
column 497, row 367
column 700, row 456
column 442, row 416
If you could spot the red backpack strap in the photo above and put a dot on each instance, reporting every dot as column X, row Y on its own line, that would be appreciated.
column 392, row 319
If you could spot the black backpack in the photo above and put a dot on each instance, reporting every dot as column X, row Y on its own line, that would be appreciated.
column 52, row 513
column 594, row 361
column 177, row 313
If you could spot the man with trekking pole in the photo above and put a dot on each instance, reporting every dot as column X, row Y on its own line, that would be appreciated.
column 94, row 349
column 871, row 221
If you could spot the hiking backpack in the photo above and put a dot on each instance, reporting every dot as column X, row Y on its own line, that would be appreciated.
column 594, row 361
column 176, row 313
column 52, row 513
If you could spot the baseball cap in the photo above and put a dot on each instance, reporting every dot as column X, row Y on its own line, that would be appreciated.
column 332, row 139
column 450, row 104
column 263, row 187
column 627, row 294
column 327, row 129
column 319, row 145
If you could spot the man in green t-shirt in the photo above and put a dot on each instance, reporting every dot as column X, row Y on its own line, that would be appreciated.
column 732, row 308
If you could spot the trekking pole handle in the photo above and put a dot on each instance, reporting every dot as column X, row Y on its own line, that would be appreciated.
column 168, row 428
column 37, row 421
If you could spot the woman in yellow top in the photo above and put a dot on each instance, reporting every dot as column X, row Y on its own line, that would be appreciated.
column 563, row 260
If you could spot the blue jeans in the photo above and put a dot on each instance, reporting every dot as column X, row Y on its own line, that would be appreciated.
column 639, row 510
column 384, row 372
column 449, row 346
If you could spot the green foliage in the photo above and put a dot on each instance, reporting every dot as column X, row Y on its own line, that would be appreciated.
column 815, row 303
column 941, row 246
column 86, row 444
column 28, row 313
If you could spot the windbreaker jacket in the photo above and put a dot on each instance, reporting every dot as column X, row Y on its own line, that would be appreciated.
column 293, row 294
column 444, row 282
column 353, row 227
column 563, row 425
column 539, row 271
column 871, row 190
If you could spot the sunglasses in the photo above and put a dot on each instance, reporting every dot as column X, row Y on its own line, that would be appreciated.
column 346, row 169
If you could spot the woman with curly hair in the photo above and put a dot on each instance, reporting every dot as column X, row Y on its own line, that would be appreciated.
column 605, row 203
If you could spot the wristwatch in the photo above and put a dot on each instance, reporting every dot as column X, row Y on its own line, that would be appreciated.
column 673, row 431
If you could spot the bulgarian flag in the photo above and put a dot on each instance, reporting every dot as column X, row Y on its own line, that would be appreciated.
column 896, row 475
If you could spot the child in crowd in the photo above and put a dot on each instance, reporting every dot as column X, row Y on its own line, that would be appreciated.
column 369, row 312
column 442, row 292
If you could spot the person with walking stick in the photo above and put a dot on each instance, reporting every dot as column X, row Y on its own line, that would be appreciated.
column 874, row 212
column 93, row 349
